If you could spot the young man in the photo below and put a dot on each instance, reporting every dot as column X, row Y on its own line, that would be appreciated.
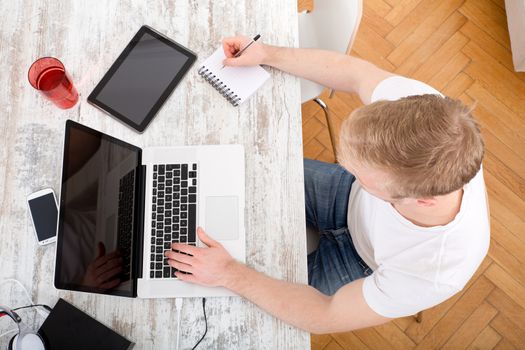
column 404, row 222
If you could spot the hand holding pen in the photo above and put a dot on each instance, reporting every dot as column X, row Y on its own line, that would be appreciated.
column 243, row 51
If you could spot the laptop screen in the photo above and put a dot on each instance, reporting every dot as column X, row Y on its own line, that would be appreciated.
column 97, row 213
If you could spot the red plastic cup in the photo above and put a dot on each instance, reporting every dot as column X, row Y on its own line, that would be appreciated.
column 48, row 75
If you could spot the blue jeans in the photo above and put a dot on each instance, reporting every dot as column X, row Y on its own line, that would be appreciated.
column 335, row 262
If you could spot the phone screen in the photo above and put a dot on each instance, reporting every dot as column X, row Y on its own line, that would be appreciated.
column 44, row 212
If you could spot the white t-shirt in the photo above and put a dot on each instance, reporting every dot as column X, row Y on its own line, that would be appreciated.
column 416, row 267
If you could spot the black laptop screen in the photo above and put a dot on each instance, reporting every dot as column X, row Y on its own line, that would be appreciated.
column 97, row 213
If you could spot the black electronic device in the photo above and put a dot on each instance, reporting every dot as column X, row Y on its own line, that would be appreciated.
column 67, row 327
column 43, row 209
column 142, row 78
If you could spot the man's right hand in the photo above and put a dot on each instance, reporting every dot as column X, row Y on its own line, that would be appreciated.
column 256, row 54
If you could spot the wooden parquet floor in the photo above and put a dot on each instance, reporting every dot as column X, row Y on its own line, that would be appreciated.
column 462, row 48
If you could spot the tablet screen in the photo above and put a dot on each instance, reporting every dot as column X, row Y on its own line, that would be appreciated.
column 142, row 78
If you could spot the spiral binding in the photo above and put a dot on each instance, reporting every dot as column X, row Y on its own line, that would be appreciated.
column 218, row 85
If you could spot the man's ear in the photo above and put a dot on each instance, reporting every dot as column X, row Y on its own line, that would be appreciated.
column 426, row 202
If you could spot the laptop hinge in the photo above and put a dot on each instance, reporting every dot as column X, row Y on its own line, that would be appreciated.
column 140, row 204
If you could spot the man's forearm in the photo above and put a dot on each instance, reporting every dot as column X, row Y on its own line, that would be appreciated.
column 299, row 305
column 331, row 69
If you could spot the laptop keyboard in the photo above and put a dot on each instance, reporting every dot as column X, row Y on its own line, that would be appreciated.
column 125, row 221
column 174, row 213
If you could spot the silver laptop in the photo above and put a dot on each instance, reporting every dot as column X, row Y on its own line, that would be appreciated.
column 121, row 208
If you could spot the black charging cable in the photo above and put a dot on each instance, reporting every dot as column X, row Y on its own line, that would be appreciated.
column 205, row 324
column 48, row 308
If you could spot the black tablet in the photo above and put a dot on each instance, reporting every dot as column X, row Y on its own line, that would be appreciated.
column 142, row 78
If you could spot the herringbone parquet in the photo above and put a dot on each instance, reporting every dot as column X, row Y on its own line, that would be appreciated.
column 462, row 48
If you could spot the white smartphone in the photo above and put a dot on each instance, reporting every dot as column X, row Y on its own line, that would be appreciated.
column 44, row 212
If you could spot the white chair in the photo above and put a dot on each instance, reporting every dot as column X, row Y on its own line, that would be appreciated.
column 331, row 25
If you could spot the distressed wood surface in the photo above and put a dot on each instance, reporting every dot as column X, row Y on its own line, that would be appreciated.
column 87, row 36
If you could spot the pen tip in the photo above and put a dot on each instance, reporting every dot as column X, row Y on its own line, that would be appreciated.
column 257, row 37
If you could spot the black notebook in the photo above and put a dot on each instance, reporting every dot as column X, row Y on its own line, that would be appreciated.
column 236, row 84
column 68, row 328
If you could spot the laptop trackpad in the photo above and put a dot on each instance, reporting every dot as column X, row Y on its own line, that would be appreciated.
column 222, row 217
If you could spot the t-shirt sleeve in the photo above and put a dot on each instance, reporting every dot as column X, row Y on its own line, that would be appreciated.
column 396, row 87
column 393, row 294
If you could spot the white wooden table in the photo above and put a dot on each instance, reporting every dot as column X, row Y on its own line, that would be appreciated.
column 87, row 36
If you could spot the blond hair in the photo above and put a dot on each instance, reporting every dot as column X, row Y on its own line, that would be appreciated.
column 430, row 145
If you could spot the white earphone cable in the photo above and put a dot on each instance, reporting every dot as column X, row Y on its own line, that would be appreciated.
column 6, row 333
column 178, row 307
column 40, row 312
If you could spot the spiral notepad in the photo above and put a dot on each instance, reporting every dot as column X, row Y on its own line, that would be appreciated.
column 236, row 84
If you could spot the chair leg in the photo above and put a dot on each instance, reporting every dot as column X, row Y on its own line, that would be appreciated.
column 331, row 130
column 419, row 317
